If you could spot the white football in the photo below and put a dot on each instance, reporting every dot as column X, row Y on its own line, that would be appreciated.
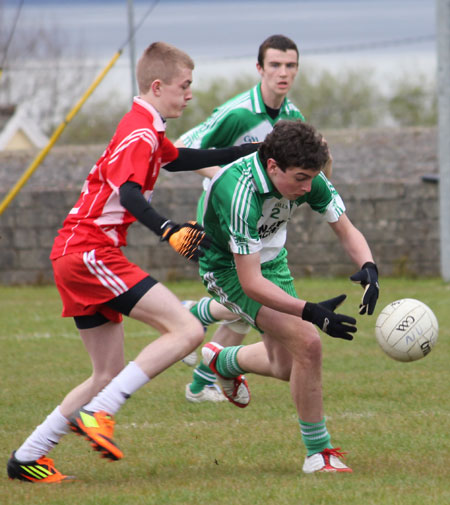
column 407, row 329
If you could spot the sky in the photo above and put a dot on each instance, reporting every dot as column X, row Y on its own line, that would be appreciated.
column 232, row 28
column 222, row 36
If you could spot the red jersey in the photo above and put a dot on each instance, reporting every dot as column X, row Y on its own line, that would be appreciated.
column 135, row 153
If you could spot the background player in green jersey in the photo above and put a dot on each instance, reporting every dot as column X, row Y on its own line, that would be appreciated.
column 247, row 208
column 248, row 117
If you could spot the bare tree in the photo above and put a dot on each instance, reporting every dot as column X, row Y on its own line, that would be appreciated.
column 44, row 73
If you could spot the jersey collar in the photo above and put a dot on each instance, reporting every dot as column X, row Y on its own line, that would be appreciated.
column 158, row 121
column 258, row 105
column 260, row 177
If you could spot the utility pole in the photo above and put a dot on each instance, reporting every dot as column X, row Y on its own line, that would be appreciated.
column 131, row 31
column 443, row 87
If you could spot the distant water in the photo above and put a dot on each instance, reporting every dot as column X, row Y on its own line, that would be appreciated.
column 223, row 36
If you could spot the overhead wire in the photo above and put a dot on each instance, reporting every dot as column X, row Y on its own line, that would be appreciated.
column 342, row 48
column 367, row 46
column 10, row 37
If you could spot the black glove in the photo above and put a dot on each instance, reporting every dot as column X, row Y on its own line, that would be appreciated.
column 368, row 278
column 187, row 239
column 322, row 314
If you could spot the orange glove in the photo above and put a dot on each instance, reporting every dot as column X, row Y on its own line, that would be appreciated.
column 187, row 239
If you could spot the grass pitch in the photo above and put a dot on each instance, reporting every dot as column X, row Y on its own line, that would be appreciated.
column 393, row 418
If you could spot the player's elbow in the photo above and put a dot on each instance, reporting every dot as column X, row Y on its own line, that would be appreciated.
column 251, row 290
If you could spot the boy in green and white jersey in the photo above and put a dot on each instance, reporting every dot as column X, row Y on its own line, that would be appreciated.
column 247, row 208
column 250, row 115
column 247, row 188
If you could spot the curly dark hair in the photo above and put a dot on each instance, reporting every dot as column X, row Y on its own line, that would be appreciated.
column 294, row 144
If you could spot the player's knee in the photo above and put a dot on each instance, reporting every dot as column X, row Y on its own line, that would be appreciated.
column 311, row 348
column 194, row 334
column 228, row 337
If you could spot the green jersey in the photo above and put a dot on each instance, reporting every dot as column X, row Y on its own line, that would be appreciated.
column 245, row 214
column 241, row 120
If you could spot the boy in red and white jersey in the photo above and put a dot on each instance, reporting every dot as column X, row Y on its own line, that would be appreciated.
column 98, row 284
column 135, row 153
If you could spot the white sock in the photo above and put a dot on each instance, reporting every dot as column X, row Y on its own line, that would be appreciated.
column 44, row 437
column 113, row 396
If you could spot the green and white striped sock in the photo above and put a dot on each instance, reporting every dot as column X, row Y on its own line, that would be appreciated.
column 315, row 436
column 201, row 377
column 227, row 364
column 202, row 313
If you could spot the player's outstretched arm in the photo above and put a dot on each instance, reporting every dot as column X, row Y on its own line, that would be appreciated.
column 208, row 172
column 358, row 249
column 322, row 314
column 192, row 159
column 187, row 239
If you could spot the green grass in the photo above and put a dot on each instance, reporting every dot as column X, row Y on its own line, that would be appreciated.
column 391, row 417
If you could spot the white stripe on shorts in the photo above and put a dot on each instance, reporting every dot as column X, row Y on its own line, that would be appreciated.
column 233, row 307
column 108, row 278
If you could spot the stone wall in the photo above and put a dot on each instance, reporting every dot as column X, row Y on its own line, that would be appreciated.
column 378, row 174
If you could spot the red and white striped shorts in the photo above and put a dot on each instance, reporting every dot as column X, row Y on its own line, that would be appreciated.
column 86, row 280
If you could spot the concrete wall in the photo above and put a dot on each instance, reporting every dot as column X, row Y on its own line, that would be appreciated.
column 378, row 174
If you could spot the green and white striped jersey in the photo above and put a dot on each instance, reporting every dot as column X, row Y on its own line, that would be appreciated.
column 244, row 213
column 240, row 120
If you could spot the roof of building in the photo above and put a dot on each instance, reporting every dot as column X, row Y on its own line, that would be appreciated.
column 14, row 120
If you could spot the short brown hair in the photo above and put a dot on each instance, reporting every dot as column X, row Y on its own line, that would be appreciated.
column 279, row 42
column 294, row 144
column 160, row 61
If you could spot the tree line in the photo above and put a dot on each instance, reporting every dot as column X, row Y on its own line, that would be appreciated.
column 48, row 78
column 349, row 99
